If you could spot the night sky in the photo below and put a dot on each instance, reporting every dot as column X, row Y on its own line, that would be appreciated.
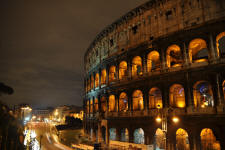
column 42, row 44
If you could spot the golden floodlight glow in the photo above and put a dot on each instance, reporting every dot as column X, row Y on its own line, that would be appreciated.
column 175, row 119
column 158, row 119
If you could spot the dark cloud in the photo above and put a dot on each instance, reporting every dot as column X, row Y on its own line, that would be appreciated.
column 42, row 44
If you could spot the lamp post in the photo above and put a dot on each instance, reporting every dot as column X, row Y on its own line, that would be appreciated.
column 162, row 118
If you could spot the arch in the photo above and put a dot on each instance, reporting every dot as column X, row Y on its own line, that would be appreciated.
column 182, row 141
column 124, row 135
column 123, row 102
column 136, row 66
column 103, row 133
column 96, row 80
column 153, row 61
column 92, row 82
column 224, row 89
column 112, row 134
column 208, row 140
column 103, row 77
column 122, row 70
column 91, row 106
column 177, row 96
column 220, row 44
column 112, row 103
column 103, row 104
column 203, row 95
column 159, row 139
column 155, row 98
column 96, row 105
column 112, row 73
column 174, row 56
column 198, row 51
column 139, row 137
column 138, row 103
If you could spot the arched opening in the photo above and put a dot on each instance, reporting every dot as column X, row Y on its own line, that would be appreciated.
column 91, row 134
column 96, row 80
column 177, row 96
column 103, row 132
column 92, row 82
column 136, row 66
column 137, row 98
column 103, row 77
column 112, row 103
column 153, row 61
column 139, row 137
column 123, row 102
column 159, row 141
column 112, row 134
column 112, row 73
column 220, row 44
column 96, row 105
column 91, row 106
column 174, row 56
column 124, row 135
column 224, row 90
column 103, row 104
column 155, row 98
column 87, row 107
column 182, row 142
column 198, row 51
column 208, row 140
column 203, row 95
column 123, row 70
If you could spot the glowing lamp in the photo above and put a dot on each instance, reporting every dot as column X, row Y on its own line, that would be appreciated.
column 175, row 119
column 158, row 119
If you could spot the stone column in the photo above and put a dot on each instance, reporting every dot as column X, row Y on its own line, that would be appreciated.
column 129, row 69
column 165, row 96
column 212, row 49
column 145, row 99
column 94, row 81
column 117, row 72
column 100, row 76
column 219, row 88
column 144, row 64
column 107, row 75
column 163, row 56
column 186, row 55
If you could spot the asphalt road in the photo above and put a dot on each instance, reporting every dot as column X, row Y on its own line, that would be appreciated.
column 46, row 136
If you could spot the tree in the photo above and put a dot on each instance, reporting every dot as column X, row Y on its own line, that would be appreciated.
column 4, row 89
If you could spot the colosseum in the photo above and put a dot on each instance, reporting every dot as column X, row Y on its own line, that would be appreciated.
column 155, row 78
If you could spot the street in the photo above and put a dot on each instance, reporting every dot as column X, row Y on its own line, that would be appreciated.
column 43, row 136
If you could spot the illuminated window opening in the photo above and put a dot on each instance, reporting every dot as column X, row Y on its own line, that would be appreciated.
column 203, row 95
column 112, row 73
column 139, row 137
column 96, row 105
column 103, row 104
column 159, row 139
column 91, row 106
column 124, row 135
column 136, row 66
column 112, row 134
column 92, row 82
column 198, row 51
column 96, row 80
column 123, row 70
column 123, row 102
column 177, row 96
column 208, row 140
column 153, row 61
column 155, row 98
column 182, row 141
column 174, row 56
column 103, row 77
column 87, row 107
column 112, row 103
column 138, row 103
column 220, row 44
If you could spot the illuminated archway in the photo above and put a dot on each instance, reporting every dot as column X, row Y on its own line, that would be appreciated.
column 112, row 73
column 198, row 51
column 122, row 70
column 103, row 104
column 91, row 106
column 96, row 80
column 182, row 141
column 138, row 103
column 112, row 103
column 208, row 140
column 174, row 56
column 136, row 66
column 96, row 105
column 153, row 61
column 220, row 44
column 112, row 134
column 103, row 77
column 203, row 95
column 124, row 135
column 92, row 82
column 177, row 96
column 155, row 98
column 139, row 137
column 123, row 102
column 159, row 139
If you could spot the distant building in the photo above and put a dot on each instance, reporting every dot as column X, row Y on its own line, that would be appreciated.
column 41, row 114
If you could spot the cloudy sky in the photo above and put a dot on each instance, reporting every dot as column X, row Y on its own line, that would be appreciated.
column 42, row 44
